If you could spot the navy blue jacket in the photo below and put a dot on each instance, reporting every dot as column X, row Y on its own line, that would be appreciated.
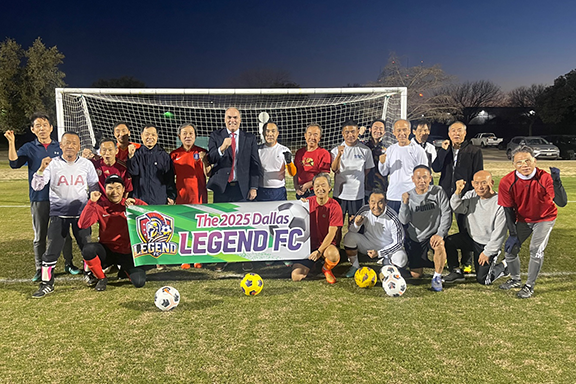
column 32, row 153
column 247, row 164
column 152, row 174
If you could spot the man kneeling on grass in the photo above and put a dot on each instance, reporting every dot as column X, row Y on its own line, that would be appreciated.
column 325, row 224
column 486, row 225
column 383, row 236
column 427, row 212
column 114, row 245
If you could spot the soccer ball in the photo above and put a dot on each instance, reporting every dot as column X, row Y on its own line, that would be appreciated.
column 365, row 277
column 298, row 215
column 251, row 284
column 167, row 298
column 388, row 270
column 394, row 285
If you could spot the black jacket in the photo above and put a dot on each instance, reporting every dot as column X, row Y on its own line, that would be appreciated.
column 152, row 175
column 469, row 162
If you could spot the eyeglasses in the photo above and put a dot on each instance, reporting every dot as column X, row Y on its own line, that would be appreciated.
column 520, row 163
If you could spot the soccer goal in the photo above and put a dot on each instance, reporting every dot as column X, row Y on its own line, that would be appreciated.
column 93, row 112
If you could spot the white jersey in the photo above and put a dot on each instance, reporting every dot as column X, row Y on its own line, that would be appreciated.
column 399, row 165
column 70, row 184
column 273, row 165
column 349, row 180
column 385, row 233
column 430, row 150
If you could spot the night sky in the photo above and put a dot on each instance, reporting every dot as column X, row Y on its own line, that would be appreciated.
column 322, row 44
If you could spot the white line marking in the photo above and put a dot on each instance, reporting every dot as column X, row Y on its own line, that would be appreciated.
column 14, row 206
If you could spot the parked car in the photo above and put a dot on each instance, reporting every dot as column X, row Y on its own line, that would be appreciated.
column 436, row 141
column 542, row 148
column 486, row 140
column 566, row 144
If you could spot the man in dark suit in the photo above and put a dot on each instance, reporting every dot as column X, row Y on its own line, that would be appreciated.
column 234, row 153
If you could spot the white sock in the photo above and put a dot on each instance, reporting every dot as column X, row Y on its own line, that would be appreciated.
column 504, row 263
column 437, row 274
column 354, row 261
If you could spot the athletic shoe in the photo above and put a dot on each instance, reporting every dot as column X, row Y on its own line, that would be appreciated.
column 455, row 276
column 110, row 269
column 526, row 292
column 43, row 290
column 197, row 265
column 351, row 272
column 511, row 283
column 220, row 267
column 37, row 276
column 90, row 279
column 288, row 263
column 101, row 284
column 161, row 267
column 503, row 273
column 437, row 284
column 185, row 266
column 467, row 269
column 329, row 275
column 72, row 269
column 122, row 274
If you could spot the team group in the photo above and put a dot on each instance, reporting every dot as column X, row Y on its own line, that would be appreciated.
column 395, row 212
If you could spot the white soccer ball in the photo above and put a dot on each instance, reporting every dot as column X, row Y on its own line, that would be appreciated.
column 394, row 285
column 297, row 218
column 167, row 298
column 388, row 270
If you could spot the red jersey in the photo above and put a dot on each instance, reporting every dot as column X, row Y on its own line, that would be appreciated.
column 103, row 171
column 112, row 220
column 309, row 164
column 190, row 178
column 321, row 218
column 532, row 199
column 123, row 153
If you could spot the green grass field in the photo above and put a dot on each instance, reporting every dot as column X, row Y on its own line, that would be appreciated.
column 307, row 332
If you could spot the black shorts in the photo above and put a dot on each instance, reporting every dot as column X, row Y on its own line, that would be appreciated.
column 418, row 253
column 350, row 206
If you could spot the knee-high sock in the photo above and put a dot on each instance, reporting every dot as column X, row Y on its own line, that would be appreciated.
column 534, row 266
column 96, row 267
column 513, row 265
column 329, row 264
column 354, row 261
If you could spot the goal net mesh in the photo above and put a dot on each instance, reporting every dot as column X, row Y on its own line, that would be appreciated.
column 94, row 112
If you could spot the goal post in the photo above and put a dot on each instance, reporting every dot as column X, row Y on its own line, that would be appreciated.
column 93, row 112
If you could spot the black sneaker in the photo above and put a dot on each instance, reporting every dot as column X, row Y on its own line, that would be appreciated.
column 526, row 292
column 455, row 276
column 72, row 269
column 90, row 279
column 43, row 290
column 511, row 283
column 101, row 284
column 37, row 276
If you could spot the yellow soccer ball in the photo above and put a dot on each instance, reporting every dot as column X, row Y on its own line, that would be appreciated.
column 365, row 277
column 251, row 284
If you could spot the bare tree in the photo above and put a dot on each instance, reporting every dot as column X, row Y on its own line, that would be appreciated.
column 263, row 78
column 471, row 97
column 526, row 98
column 423, row 83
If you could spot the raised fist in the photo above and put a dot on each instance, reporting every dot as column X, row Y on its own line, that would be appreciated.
column 45, row 162
column 382, row 158
column 445, row 144
column 405, row 197
column 95, row 195
column 340, row 150
column 459, row 186
column 87, row 153
column 131, row 150
column 225, row 144
column 9, row 135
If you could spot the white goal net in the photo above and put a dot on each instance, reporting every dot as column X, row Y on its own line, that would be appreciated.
column 94, row 112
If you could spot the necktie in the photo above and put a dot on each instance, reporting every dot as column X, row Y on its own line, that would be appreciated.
column 233, row 146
